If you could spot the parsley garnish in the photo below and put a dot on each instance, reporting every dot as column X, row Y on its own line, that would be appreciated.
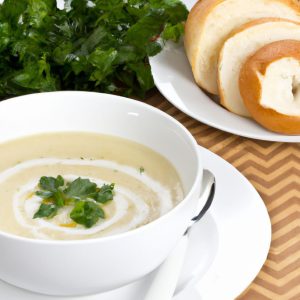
column 84, row 195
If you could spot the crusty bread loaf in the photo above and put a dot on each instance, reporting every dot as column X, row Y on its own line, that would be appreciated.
column 210, row 22
column 242, row 44
column 270, row 86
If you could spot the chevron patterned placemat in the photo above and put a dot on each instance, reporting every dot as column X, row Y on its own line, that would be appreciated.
column 274, row 170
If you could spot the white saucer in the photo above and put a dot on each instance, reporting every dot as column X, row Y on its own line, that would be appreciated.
column 227, row 247
column 174, row 79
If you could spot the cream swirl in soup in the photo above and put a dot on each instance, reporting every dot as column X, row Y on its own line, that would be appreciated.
column 146, row 184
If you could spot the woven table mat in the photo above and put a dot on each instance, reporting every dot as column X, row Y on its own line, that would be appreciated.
column 274, row 170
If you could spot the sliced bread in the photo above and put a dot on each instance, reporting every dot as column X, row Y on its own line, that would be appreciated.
column 242, row 44
column 270, row 86
column 210, row 22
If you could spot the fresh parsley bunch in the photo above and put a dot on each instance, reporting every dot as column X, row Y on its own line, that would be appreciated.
column 84, row 195
column 97, row 45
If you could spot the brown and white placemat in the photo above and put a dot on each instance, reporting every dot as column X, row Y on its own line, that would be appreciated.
column 274, row 170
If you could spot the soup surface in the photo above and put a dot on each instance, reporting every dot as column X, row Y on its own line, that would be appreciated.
column 146, row 184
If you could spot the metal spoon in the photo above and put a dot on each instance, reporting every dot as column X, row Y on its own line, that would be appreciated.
column 166, row 278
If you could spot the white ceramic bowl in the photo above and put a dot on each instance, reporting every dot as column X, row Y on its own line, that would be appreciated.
column 89, row 266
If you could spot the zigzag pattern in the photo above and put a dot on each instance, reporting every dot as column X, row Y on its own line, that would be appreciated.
column 274, row 170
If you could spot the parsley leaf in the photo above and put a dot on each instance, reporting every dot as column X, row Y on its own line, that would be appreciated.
column 50, row 189
column 51, row 184
column 81, row 193
column 87, row 213
column 106, row 193
column 81, row 189
column 173, row 32
column 44, row 194
column 46, row 211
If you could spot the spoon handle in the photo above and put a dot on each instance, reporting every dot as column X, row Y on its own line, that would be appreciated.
column 166, row 278
column 165, row 281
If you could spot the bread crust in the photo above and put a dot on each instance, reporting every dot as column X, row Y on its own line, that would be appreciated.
column 235, row 32
column 194, row 29
column 196, row 19
column 251, row 90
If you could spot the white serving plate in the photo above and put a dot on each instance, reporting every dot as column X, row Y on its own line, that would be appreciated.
column 174, row 79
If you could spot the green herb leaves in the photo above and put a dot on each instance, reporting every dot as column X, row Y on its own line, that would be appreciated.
column 46, row 211
column 87, row 213
column 81, row 189
column 96, row 45
column 51, row 184
column 50, row 189
column 83, row 194
column 106, row 193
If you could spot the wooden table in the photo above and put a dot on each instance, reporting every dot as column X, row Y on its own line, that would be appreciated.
column 274, row 170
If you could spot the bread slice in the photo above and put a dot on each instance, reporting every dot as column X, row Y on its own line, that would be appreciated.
column 211, row 21
column 270, row 86
column 242, row 44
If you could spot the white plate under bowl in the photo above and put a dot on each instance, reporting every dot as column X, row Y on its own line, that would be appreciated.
column 174, row 79
column 227, row 248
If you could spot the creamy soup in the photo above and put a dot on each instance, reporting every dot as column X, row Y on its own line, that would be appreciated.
column 146, row 184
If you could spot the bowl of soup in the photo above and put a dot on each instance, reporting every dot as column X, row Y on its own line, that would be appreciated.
column 95, row 190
